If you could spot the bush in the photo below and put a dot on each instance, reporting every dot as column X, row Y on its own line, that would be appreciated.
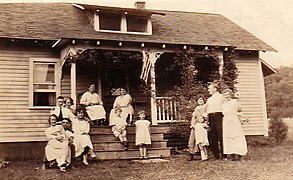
column 278, row 129
column 255, row 141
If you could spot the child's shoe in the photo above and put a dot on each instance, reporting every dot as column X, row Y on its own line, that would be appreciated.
column 62, row 169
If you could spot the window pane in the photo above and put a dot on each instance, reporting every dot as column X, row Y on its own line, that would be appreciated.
column 44, row 86
column 137, row 23
column 44, row 98
column 109, row 21
column 44, row 73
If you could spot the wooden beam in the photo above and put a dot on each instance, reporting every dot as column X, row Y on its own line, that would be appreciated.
column 73, row 81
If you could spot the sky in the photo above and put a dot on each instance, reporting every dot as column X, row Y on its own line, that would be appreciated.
column 269, row 20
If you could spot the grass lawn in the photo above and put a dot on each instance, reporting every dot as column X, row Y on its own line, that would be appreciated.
column 261, row 163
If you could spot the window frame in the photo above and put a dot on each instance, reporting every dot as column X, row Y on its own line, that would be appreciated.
column 123, row 25
column 57, row 83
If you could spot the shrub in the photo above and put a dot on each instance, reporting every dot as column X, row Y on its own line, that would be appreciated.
column 278, row 129
column 255, row 141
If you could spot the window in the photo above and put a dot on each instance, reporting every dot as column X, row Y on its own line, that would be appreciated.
column 110, row 21
column 123, row 23
column 136, row 23
column 43, row 82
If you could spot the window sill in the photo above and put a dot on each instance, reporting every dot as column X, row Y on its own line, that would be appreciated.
column 41, row 107
column 123, row 32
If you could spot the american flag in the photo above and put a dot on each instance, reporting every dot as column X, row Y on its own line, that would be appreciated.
column 146, row 66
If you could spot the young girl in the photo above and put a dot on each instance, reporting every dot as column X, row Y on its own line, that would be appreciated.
column 119, row 127
column 198, row 113
column 234, row 141
column 201, row 137
column 57, row 147
column 82, row 141
column 142, row 134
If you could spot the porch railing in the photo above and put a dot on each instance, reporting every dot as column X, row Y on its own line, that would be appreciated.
column 166, row 109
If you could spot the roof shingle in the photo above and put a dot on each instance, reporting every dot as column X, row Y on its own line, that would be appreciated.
column 52, row 21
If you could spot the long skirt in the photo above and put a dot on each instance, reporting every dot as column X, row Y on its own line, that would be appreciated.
column 96, row 112
column 193, row 148
column 233, row 136
column 81, row 142
column 56, row 150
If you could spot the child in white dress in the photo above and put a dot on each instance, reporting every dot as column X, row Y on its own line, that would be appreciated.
column 201, row 137
column 142, row 134
column 118, row 124
column 234, row 141
column 82, row 141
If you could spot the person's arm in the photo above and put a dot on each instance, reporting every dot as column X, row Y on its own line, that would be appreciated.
column 239, row 112
column 49, row 135
column 84, row 100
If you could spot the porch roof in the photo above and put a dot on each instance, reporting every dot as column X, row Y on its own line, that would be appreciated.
column 52, row 21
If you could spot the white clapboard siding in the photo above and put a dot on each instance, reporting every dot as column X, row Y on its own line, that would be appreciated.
column 18, row 123
column 250, row 92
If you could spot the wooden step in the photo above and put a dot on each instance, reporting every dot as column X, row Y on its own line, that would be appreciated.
column 131, row 137
column 131, row 145
column 129, row 129
column 132, row 154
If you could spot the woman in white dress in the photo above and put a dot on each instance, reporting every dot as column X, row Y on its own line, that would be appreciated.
column 124, row 103
column 82, row 141
column 234, row 141
column 94, row 105
column 57, row 146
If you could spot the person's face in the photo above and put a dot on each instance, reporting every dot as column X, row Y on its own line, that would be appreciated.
column 200, row 119
column 65, row 124
column 212, row 89
column 67, row 103
column 227, row 95
column 92, row 88
column 80, row 114
column 60, row 102
column 141, row 116
column 200, row 101
column 118, row 112
column 53, row 120
column 122, row 91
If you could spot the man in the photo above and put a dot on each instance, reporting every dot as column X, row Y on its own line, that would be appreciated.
column 215, row 116
column 62, row 112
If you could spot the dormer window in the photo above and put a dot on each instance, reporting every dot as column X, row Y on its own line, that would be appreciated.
column 108, row 21
column 123, row 23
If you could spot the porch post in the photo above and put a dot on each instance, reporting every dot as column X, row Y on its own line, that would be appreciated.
column 73, row 81
column 100, row 83
column 153, row 93
column 153, row 58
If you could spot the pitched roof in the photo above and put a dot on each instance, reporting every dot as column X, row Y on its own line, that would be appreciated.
column 52, row 21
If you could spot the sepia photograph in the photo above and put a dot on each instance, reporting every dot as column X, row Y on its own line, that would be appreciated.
column 146, row 89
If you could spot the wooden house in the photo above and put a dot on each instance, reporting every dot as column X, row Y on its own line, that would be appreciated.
column 38, row 40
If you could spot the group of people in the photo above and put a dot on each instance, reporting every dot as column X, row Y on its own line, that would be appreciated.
column 217, row 124
column 68, row 131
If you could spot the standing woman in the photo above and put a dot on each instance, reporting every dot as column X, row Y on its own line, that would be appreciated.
column 196, row 115
column 124, row 103
column 234, row 141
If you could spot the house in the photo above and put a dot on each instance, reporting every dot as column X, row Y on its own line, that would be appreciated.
column 39, row 40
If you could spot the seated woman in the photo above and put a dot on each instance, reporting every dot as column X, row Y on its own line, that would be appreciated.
column 124, row 103
column 68, row 104
column 82, row 141
column 94, row 105
column 57, row 147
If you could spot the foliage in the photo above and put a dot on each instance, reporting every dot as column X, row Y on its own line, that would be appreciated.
column 278, row 130
column 197, row 70
column 255, row 141
column 279, row 94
